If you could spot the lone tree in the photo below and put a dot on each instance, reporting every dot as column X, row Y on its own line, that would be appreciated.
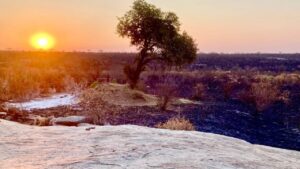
column 157, row 37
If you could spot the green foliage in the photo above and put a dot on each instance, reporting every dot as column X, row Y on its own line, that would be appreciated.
column 157, row 36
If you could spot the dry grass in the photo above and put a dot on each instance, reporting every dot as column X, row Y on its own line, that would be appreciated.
column 177, row 124
column 30, row 74
column 104, row 102
column 256, row 88
column 264, row 94
column 122, row 95
column 41, row 121
column 96, row 108
column 25, row 75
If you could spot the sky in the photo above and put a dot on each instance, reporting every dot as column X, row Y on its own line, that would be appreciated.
column 227, row 26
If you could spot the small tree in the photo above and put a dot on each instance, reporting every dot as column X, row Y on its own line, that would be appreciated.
column 157, row 37
column 167, row 90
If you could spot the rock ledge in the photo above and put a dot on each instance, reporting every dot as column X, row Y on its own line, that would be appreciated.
column 131, row 147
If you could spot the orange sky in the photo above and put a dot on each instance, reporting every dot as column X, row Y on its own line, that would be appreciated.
column 216, row 25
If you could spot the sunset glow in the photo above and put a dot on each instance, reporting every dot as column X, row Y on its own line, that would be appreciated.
column 216, row 25
column 149, row 83
column 42, row 41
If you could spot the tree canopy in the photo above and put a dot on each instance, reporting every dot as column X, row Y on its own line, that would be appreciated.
column 157, row 37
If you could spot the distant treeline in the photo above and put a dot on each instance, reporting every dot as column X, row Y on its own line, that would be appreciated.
column 255, row 61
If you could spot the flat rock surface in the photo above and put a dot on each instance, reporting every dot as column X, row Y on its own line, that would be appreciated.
column 131, row 147
column 70, row 120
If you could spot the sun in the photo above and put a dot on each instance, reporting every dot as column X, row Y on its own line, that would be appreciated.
column 42, row 41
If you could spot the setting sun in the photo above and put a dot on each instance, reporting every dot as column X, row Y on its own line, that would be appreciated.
column 42, row 40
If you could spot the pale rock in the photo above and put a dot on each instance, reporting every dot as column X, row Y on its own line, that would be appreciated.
column 132, row 147
column 3, row 114
column 70, row 120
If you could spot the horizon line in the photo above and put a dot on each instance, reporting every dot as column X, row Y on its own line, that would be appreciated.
column 127, row 52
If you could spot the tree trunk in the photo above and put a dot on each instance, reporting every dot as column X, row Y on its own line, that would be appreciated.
column 140, row 67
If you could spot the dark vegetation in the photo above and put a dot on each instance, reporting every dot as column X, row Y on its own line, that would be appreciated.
column 253, row 97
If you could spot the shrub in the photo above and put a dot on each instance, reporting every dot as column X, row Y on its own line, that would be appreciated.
column 166, row 90
column 96, row 108
column 228, row 83
column 71, row 85
column 263, row 94
column 41, row 121
column 199, row 91
column 177, row 124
